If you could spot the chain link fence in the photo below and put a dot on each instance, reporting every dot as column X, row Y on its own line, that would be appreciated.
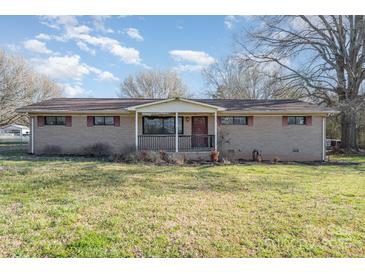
column 13, row 139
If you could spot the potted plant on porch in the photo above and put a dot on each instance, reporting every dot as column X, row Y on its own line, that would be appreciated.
column 214, row 155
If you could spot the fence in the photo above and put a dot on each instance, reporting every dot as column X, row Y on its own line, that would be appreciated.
column 11, row 138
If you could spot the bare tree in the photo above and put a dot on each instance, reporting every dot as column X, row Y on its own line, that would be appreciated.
column 233, row 79
column 21, row 85
column 322, row 57
column 154, row 84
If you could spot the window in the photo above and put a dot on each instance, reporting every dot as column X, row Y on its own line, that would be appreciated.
column 103, row 121
column 234, row 120
column 55, row 120
column 296, row 120
column 161, row 125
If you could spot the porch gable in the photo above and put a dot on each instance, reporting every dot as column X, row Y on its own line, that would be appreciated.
column 176, row 105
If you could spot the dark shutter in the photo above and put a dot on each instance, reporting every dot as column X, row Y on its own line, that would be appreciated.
column 117, row 121
column 250, row 121
column 219, row 120
column 90, row 121
column 308, row 120
column 40, row 121
column 285, row 121
column 68, row 121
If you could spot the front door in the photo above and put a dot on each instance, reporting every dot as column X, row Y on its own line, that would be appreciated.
column 199, row 131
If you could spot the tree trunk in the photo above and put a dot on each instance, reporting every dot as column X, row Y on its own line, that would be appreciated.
column 348, row 134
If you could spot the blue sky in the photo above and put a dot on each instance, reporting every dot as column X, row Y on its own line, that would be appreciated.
column 90, row 55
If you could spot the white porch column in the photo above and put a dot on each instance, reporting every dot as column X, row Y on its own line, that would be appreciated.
column 176, row 132
column 215, row 131
column 136, row 129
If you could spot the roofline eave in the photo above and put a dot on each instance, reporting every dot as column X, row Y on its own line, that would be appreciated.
column 135, row 108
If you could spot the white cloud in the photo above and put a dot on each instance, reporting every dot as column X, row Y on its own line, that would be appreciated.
column 190, row 60
column 68, row 20
column 229, row 21
column 36, row 46
column 43, row 36
column 76, row 32
column 128, row 55
column 52, row 26
column 73, row 90
column 80, row 29
column 47, row 37
column 70, row 68
column 99, row 24
column 106, row 75
column 134, row 34
column 84, row 47
column 62, row 67
column 198, row 57
column 103, row 75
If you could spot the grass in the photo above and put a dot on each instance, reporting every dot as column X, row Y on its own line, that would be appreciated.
column 78, row 207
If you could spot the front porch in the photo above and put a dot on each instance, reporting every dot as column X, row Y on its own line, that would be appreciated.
column 176, row 125
column 186, row 143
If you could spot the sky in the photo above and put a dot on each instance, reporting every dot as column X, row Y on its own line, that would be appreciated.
column 90, row 55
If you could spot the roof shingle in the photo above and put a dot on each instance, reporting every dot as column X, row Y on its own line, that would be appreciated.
column 120, row 105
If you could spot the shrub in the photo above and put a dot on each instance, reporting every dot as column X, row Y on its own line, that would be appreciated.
column 149, row 156
column 97, row 150
column 276, row 160
column 165, row 156
column 126, row 154
column 52, row 150
column 128, row 149
column 178, row 159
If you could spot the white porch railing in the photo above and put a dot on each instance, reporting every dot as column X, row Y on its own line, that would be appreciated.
column 168, row 142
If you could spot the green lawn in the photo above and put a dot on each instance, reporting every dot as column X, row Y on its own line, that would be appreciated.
column 64, row 207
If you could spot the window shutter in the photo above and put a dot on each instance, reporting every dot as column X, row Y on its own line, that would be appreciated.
column 68, row 121
column 285, row 121
column 90, row 121
column 40, row 121
column 219, row 120
column 250, row 121
column 308, row 120
column 117, row 121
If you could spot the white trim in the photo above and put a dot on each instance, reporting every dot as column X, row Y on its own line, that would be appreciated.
column 222, row 112
column 176, row 132
column 273, row 113
column 136, row 129
column 80, row 112
column 175, row 99
column 323, row 138
column 150, row 104
column 32, row 136
column 215, row 131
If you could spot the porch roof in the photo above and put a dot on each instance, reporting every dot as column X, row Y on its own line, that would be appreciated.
column 118, row 105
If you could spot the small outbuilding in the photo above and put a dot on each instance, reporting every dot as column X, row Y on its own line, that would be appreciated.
column 15, row 129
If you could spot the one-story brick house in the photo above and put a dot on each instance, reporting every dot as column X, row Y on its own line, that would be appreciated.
column 287, row 129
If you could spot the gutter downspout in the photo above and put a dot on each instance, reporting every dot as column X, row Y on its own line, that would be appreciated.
column 324, row 138
column 32, row 136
